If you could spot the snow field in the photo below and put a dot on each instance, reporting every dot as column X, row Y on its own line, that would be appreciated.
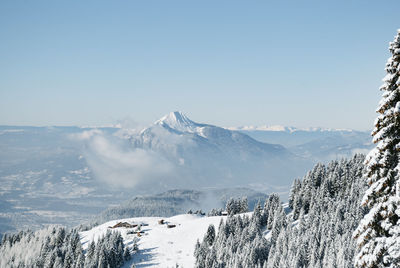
column 159, row 246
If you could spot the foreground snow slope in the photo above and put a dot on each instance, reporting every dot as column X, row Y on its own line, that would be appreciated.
column 160, row 246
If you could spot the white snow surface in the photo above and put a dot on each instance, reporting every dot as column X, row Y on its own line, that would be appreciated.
column 179, row 121
column 159, row 246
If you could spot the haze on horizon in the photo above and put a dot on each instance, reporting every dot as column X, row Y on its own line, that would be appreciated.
column 226, row 63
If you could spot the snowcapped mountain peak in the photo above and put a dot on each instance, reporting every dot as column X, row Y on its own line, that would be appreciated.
column 176, row 117
column 177, row 121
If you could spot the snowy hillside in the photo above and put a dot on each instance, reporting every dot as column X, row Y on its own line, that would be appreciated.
column 159, row 246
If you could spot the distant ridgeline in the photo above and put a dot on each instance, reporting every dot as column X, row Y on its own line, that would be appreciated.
column 175, row 202
column 317, row 232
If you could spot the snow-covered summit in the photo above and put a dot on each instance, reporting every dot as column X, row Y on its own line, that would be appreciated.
column 178, row 121
column 175, row 118
column 177, row 129
column 231, row 157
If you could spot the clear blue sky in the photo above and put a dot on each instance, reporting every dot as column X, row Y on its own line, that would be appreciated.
column 229, row 63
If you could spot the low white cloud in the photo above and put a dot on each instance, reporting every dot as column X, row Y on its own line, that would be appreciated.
column 86, row 135
column 115, row 162
column 360, row 151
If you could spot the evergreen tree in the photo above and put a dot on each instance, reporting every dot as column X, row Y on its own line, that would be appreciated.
column 51, row 258
column 69, row 258
column 258, row 217
column 210, row 235
column 61, row 248
column 293, row 192
column 231, row 206
column 127, row 254
column 322, row 237
column 378, row 234
column 244, row 205
column 80, row 262
column 58, row 263
column 90, row 256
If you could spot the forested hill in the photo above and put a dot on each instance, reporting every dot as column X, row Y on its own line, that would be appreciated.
column 317, row 233
column 174, row 202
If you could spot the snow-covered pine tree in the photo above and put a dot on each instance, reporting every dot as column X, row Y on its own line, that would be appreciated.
column 378, row 234
column 127, row 254
column 244, row 205
column 209, row 237
column 320, row 238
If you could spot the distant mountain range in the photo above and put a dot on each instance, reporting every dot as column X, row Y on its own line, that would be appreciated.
column 316, row 144
column 67, row 174
column 280, row 128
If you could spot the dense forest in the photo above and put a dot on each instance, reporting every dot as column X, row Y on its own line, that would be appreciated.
column 61, row 248
column 324, row 210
